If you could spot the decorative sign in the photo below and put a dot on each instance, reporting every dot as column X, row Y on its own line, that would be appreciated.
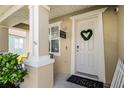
column 86, row 34
column 62, row 34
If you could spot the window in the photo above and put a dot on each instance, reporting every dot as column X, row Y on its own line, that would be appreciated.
column 55, row 46
column 21, row 43
column 54, row 39
column 17, row 42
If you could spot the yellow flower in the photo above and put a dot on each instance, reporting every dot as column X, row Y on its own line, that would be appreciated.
column 22, row 57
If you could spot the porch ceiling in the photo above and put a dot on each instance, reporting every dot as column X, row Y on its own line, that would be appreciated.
column 4, row 8
column 60, row 10
column 22, row 15
column 17, row 17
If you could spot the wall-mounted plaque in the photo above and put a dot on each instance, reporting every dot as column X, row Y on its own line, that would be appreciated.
column 62, row 34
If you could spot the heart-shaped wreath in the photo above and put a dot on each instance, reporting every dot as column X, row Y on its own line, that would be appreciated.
column 88, row 32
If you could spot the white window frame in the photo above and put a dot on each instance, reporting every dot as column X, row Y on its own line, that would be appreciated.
column 20, row 33
column 58, row 38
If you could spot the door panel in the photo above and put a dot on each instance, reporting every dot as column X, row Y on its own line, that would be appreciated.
column 86, row 54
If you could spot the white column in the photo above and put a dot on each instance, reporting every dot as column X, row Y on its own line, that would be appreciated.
column 39, row 26
column 39, row 64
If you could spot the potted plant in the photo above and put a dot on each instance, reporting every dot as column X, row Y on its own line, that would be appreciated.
column 11, row 71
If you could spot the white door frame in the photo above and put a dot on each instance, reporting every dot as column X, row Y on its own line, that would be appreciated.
column 101, row 67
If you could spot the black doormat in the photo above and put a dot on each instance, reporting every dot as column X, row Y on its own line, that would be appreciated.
column 85, row 82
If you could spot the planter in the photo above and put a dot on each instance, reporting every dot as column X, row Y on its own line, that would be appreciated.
column 8, row 86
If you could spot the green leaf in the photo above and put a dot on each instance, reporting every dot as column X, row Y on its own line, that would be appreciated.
column 9, row 69
column 7, row 65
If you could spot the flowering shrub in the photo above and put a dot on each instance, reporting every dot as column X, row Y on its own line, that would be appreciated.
column 11, row 71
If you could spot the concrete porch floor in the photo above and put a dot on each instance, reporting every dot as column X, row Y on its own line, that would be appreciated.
column 60, row 82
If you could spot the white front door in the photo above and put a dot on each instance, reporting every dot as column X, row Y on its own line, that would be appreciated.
column 87, row 56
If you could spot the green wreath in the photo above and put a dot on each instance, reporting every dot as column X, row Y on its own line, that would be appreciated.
column 86, row 38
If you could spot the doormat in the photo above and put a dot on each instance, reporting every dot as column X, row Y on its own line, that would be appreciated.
column 85, row 82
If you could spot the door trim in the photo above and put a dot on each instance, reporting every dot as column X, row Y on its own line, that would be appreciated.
column 101, row 66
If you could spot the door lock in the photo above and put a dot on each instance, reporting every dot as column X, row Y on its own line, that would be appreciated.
column 77, row 46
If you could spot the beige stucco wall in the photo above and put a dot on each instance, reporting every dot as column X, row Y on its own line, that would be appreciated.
column 43, row 31
column 121, row 32
column 3, row 39
column 46, row 76
column 39, row 77
column 110, row 42
column 62, row 63
column 30, row 81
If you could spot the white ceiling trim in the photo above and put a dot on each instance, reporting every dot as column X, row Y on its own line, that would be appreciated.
column 10, row 12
